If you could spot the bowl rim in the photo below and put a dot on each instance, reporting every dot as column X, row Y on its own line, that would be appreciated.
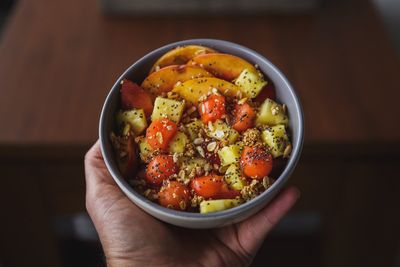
column 233, row 212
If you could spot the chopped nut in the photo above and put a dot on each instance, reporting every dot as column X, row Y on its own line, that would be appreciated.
column 207, row 167
column 251, row 191
column 287, row 151
column 266, row 183
column 182, row 128
column 227, row 120
column 210, row 126
column 196, row 200
column 119, row 144
column 219, row 133
column 127, row 129
column 189, row 150
column 202, row 98
column 183, row 178
column 198, row 141
column 175, row 157
column 201, row 151
column 242, row 101
column 157, row 68
column 191, row 110
column 172, row 95
column 211, row 146
column 214, row 90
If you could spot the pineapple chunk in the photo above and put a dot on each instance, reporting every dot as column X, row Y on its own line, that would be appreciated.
column 234, row 178
column 229, row 154
column 276, row 139
column 178, row 143
column 222, row 131
column 135, row 118
column 144, row 148
column 250, row 83
column 208, row 206
column 271, row 113
column 193, row 128
column 167, row 108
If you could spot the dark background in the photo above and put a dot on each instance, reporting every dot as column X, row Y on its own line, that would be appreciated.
column 58, row 60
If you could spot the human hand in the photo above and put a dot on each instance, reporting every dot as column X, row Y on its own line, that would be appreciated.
column 131, row 237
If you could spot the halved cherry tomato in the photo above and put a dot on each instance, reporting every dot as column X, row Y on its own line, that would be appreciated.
column 268, row 91
column 256, row 162
column 160, row 168
column 174, row 195
column 213, row 186
column 244, row 117
column 213, row 108
column 133, row 96
column 160, row 132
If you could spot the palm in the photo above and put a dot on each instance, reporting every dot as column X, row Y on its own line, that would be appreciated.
column 129, row 234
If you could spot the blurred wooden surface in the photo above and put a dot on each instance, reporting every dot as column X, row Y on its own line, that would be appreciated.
column 58, row 59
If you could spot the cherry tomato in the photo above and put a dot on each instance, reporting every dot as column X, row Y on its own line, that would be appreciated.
column 133, row 96
column 160, row 168
column 213, row 108
column 256, row 162
column 174, row 195
column 244, row 117
column 160, row 132
column 213, row 186
column 268, row 91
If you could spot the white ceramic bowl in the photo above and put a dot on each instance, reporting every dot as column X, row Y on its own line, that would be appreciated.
column 285, row 94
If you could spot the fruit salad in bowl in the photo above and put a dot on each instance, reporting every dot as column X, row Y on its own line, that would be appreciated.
column 203, row 132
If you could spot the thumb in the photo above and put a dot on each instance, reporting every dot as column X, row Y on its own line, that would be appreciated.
column 95, row 169
column 253, row 231
column 101, row 190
